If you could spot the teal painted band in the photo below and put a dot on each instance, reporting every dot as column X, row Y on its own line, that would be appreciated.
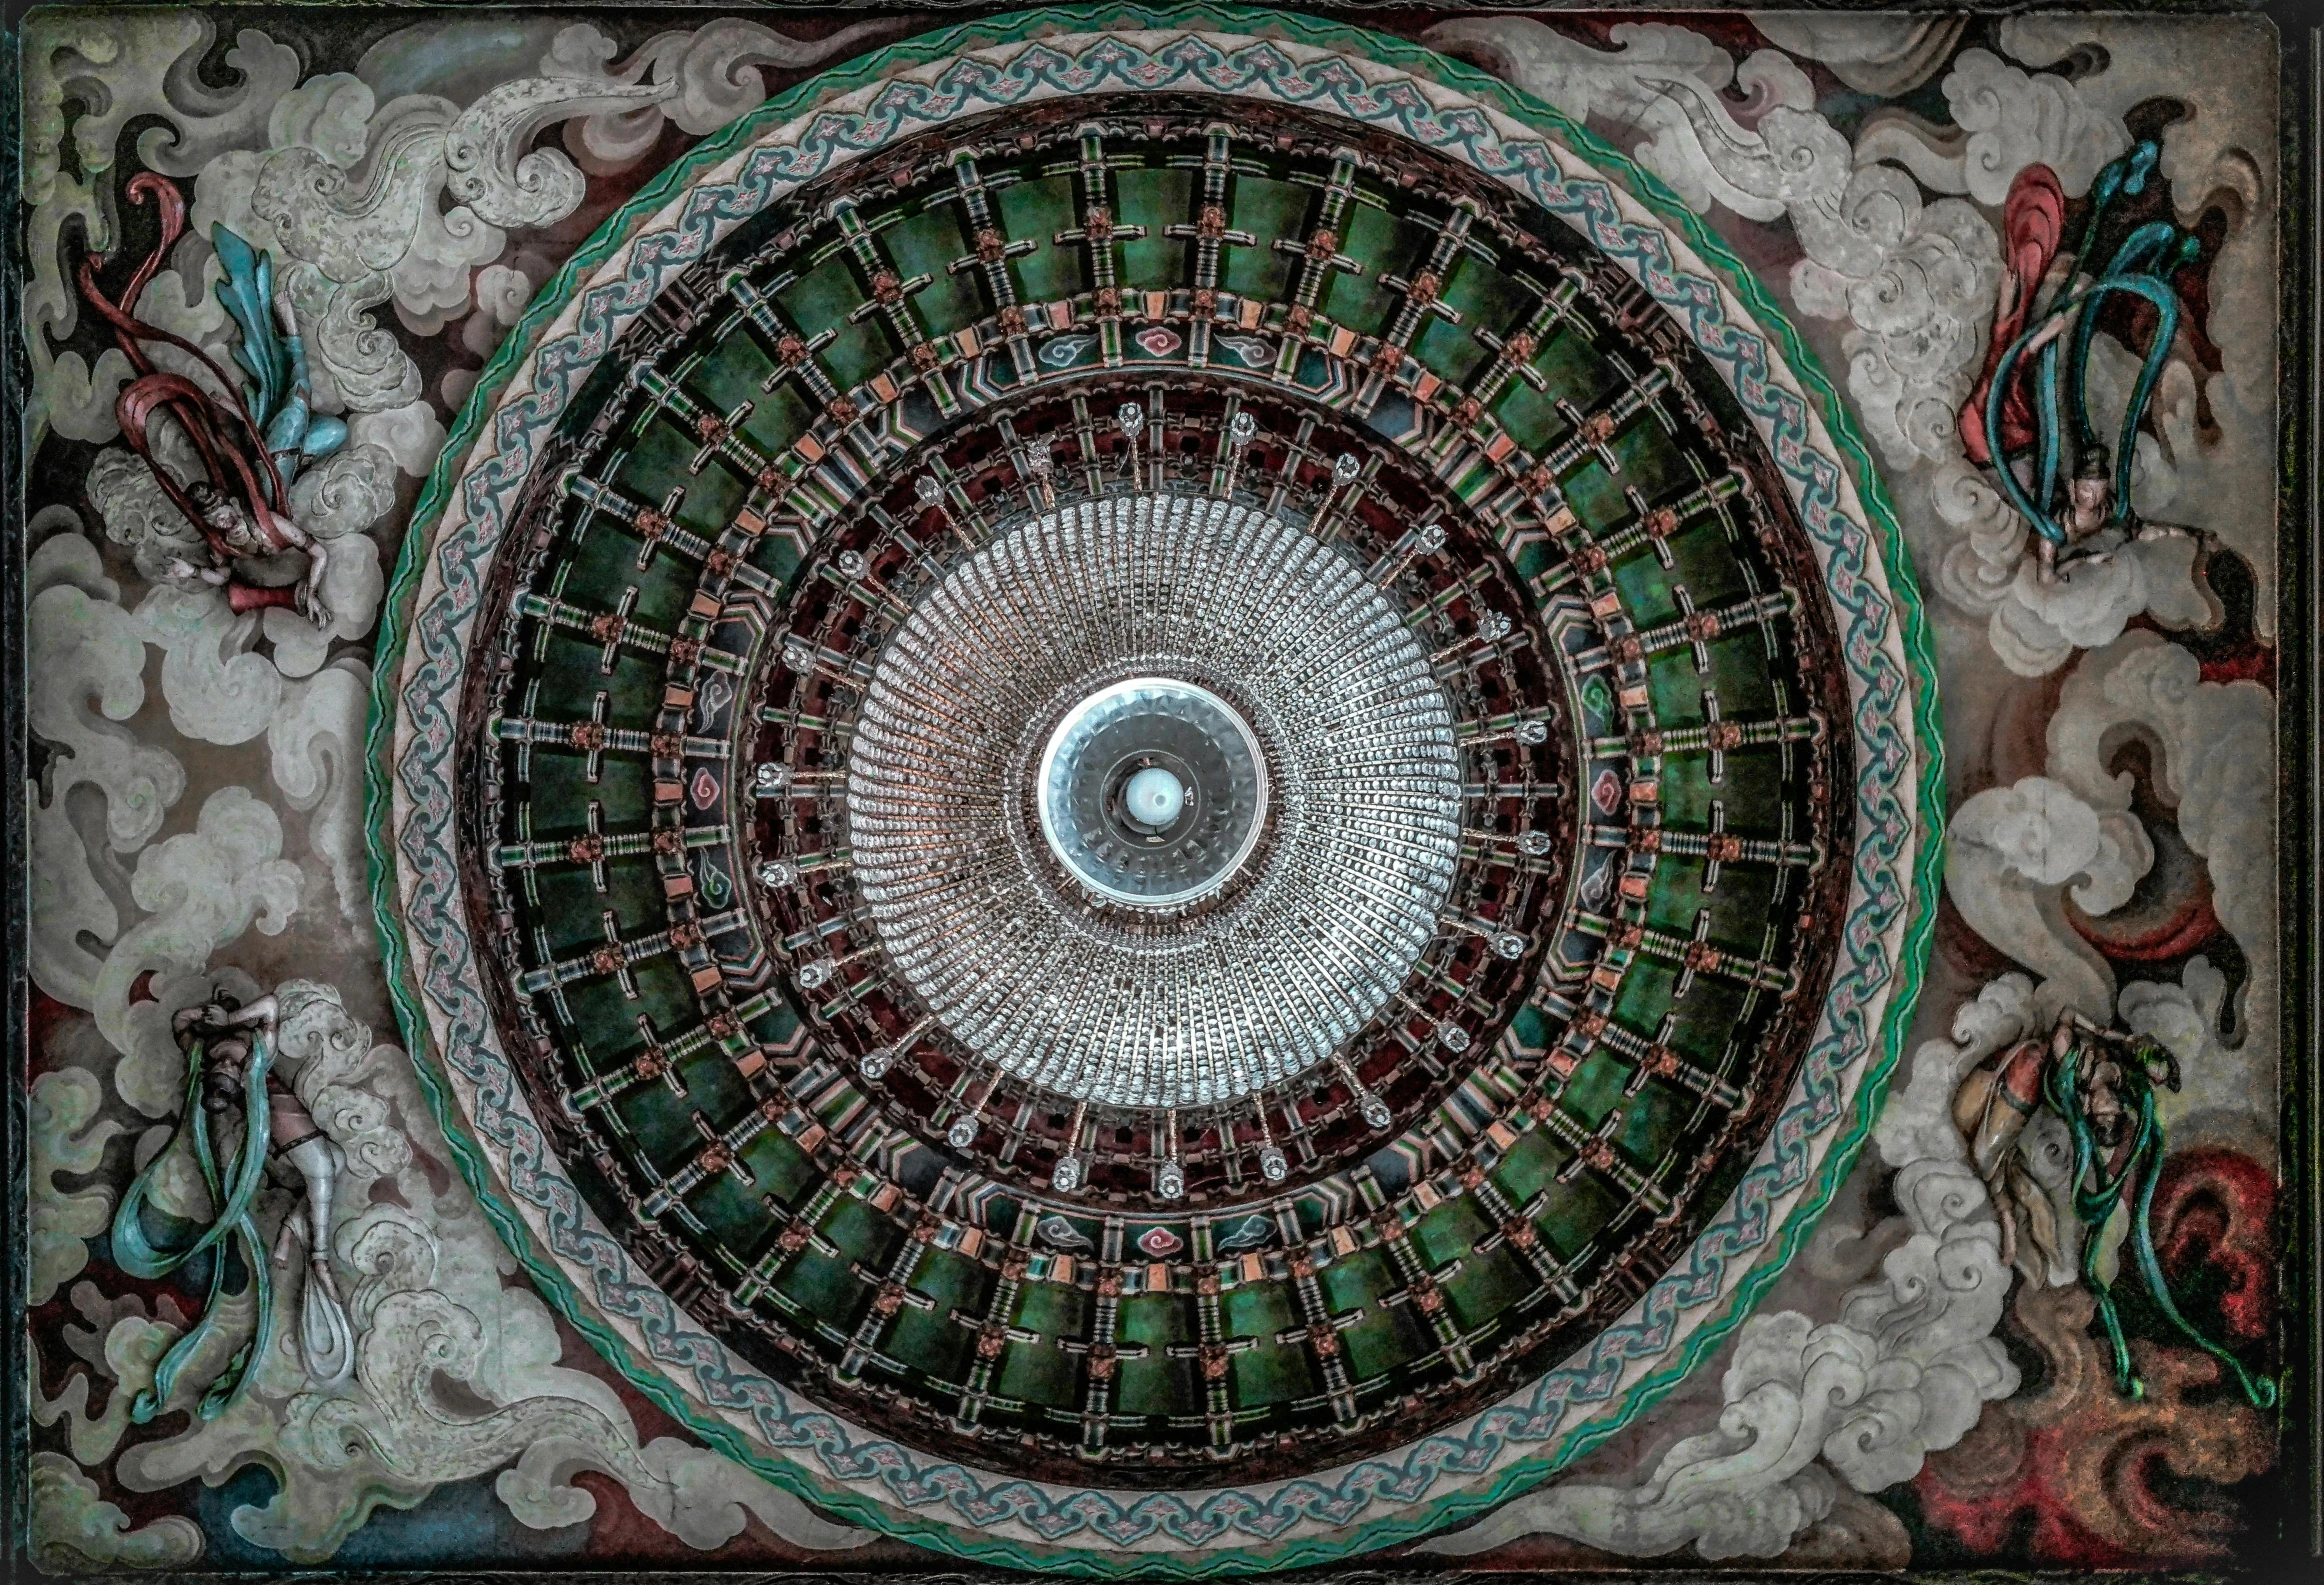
column 1905, row 761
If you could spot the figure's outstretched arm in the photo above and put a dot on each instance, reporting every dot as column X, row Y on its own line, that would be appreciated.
column 259, row 1014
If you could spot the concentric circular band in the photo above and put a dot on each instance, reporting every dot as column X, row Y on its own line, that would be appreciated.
column 1066, row 987
column 651, row 580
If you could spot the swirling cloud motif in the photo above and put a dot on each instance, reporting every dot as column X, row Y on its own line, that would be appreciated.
column 2215, row 762
column 75, row 1531
column 1914, row 282
column 2227, row 1092
column 337, row 501
column 325, row 1053
column 65, row 1135
column 124, row 1344
column 111, row 76
column 136, row 513
column 1871, row 53
column 219, row 686
column 2036, row 625
column 1904, row 1371
column 2004, row 119
column 2041, row 624
column 372, row 192
column 2014, row 854
column 404, row 199
column 85, row 661
column 411, row 434
column 1626, row 89
column 2076, row 1475
column 200, row 890
column 2221, row 154
column 711, row 74
column 457, row 1372
column 315, row 747
column 1917, row 1123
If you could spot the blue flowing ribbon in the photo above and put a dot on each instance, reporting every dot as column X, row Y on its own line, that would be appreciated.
column 2140, row 268
column 232, row 1193
column 2096, row 1198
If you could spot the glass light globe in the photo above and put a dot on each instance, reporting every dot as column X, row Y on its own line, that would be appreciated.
column 1154, row 798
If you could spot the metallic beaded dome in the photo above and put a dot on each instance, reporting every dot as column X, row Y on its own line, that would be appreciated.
column 1117, row 782
column 1291, row 732
column 1488, row 814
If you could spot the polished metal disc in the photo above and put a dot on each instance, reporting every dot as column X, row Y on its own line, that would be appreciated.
column 1152, row 791
column 1230, row 919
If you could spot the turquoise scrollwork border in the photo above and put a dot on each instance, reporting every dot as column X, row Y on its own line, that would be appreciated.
column 1899, row 794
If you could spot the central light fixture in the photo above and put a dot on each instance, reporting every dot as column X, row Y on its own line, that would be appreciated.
column 1155, row 800
column 1152, row 792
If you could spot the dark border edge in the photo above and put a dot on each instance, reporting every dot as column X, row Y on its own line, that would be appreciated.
column 2299, row 1552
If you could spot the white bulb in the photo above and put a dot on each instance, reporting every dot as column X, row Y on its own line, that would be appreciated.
column 1154, row 798
column 962, row 1133
column 1509, row 944
column 875, row 1062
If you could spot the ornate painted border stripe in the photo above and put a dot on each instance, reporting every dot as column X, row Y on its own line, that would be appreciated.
column 1360, row 77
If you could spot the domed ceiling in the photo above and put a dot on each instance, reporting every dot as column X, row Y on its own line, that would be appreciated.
column 1153, row 791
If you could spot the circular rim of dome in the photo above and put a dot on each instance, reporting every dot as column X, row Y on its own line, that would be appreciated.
column 431, row 956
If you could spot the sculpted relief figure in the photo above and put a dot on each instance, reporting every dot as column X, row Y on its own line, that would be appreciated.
column 250, row 436
column 2097, row 1087
column 243, row 1122
column 2029, row 416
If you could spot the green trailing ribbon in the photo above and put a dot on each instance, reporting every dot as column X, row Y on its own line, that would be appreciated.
column 232, row 1193
column 2096, row 1198
column 2049, row 447
column 2141, row 267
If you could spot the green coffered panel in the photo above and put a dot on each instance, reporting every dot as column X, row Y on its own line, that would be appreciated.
column 936, row 1169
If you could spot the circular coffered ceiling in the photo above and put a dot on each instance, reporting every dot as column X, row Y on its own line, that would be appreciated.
column 1108, row 757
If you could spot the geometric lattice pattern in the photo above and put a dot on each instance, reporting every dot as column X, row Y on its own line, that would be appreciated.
column 1522, row 453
